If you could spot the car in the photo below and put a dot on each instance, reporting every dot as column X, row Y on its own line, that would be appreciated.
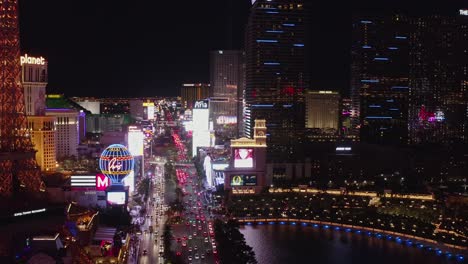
column 179, row 240
column 206, row 240
column 190, row 258
column 190, row 237
column 184, row 238
column 184, row 244
column 205, row 234
column 190, row 249
column 208, row 251
column 195, row 248
column 195, row 233
column 202, row 256
column 145, row 252
column 197, row 256
column 178, row 253
column 214, row 251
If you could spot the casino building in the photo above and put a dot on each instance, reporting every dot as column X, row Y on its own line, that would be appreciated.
column 42, row 127
column 246, row 173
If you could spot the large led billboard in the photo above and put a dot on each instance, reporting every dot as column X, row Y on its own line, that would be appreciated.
column 243, row 158
column 200, row 126
column 135, row 141
column 244, row 180
column 116, row 198
column 149, row 110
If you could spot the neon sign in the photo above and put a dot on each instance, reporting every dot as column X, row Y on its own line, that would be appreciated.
column 30, row 212
column 464, row 12
column 115, row 165
column 32, row 60
column 226, row 120
column 201, row 104
column 102, row 182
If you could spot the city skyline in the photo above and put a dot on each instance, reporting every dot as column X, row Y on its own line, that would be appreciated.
column 119, row 41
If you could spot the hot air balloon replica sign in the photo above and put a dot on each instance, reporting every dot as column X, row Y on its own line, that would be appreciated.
column 116, row 163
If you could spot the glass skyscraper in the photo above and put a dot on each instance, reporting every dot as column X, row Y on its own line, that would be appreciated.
column 227, row 81
column 409, row 78
column 276, row 74
column 380, row 79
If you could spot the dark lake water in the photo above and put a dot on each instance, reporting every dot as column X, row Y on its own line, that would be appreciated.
column 284, row 244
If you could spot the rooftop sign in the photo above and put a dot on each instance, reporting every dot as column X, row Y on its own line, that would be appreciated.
column 32, row 60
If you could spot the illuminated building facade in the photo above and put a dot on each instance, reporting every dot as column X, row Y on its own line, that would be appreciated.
column 246, row 173
column 227, row 82
column 380, row 79
column 70, row 124
column 43, row 137
column 439, row 79
column 409, row 79
column 276, row 74
column 34, row 80
column 322, row 109
column 191, row 92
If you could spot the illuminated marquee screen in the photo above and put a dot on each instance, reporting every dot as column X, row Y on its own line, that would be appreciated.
column 243, row 158
column 244, row 180
column 135, row 142
column 117, row 198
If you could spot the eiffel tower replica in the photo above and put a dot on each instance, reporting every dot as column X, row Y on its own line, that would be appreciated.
column 20, row 176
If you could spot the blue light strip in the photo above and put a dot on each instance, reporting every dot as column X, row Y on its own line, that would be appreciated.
column 379, row 117
column 400, row 87
column 400, row 37
column 390, row 100
column 271, row 63
column 369, row 81
column 375, row 106
column 272, row 12
column 366, row 22
column 287, row 106
column 266, row 41
column 381, row 59
column 289, row 25
column 298, row 45
column 275, row 31
column 392, row 48
column 393, row 109
column 366, row 47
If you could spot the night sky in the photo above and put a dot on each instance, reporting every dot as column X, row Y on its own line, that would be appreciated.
column 113, row 48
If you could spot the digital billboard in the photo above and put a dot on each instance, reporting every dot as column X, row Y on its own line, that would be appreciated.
column 116, row 198
column 135, row 140
column 200, row 126
column 244, row 180
column 243, row 158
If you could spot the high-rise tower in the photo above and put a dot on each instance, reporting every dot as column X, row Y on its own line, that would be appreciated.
column 226, row 79
column 380, row 78
column 276, row 74
column 18, row 167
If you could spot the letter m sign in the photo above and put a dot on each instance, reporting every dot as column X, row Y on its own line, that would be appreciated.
column 102, row 182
